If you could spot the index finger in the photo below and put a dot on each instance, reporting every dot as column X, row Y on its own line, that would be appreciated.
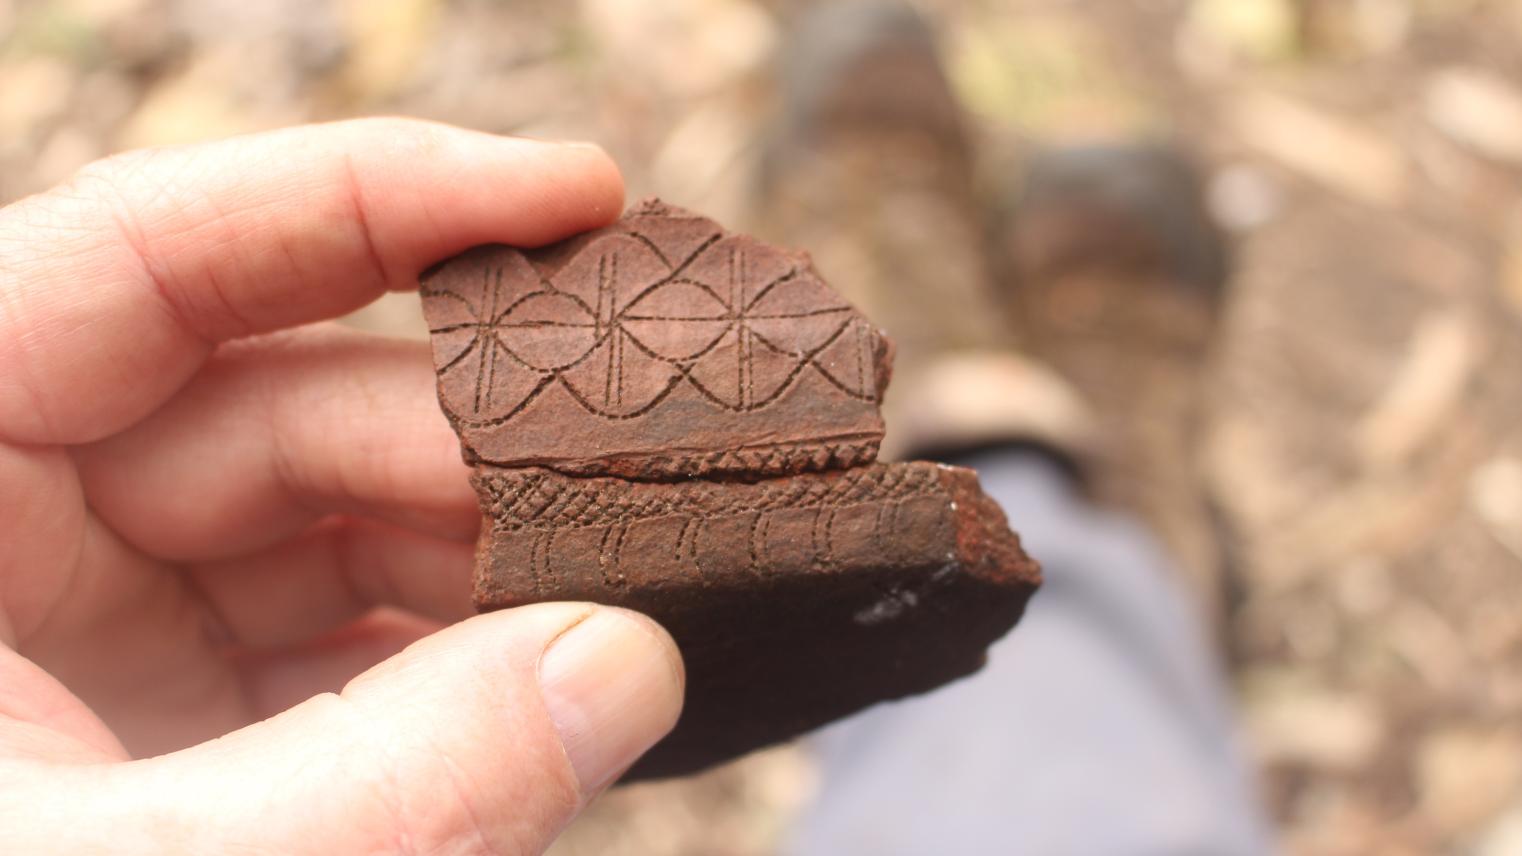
column 115, row 287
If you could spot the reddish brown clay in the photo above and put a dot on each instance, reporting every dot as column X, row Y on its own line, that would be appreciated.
column 801, row 580
column 659, row 346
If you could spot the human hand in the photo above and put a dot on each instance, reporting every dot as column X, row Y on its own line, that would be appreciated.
column 208, row 527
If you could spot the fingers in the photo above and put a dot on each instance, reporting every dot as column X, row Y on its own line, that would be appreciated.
column 333, row 574
column 114, row 288
column 276, row 433
column 279, row 679
column 40, row 719
column 485, row 737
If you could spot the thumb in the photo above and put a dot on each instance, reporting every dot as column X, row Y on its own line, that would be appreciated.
column 487, row 736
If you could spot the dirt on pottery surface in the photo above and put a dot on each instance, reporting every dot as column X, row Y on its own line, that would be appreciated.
column 1366, row 452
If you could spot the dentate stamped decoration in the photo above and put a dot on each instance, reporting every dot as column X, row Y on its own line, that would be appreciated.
column 669, row 418
column 658, row 346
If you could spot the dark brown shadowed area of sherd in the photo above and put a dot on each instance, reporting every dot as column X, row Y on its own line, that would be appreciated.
column 670, row 418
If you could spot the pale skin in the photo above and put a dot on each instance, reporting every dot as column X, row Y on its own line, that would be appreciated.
column 235, row 541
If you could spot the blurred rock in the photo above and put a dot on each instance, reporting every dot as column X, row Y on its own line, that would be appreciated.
column 1345, row 156
column 68, row 149
column 1364, row 588
column 1252, row 29
column 1047, row 75
column 1243, row 197
column 1495, row 491
column 1427, row 641
column 1465, row 775
column 103, row 12
column 33, row 91
column 385, row 39
column 1291, row 720
column 394, row 314
column 1511, row 260
column 681, row 47
column 1423, row 391
column 738, row 809
column 705, row 162
column 103, row 99
column 1476, row 108
column 1358, row 29
column 470, row 76
column 192, row 106
column 1218, row 34
column 1502, row 837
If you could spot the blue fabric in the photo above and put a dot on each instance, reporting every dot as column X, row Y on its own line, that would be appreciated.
column 1099, row 726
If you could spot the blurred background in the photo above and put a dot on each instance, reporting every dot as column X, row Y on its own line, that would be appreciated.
column 1365, row 453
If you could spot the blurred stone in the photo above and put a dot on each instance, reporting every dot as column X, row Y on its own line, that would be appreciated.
column 1511, row 260
column 1049, row 76
column 103, row 12
column 394, row 314
column 1465, row 775
column 1423, row 391
column 1429, row 259
column 1357, row 29
column 309, row 35
column 1243, row 197
column 195, row 105
column 740, row 809
column 1345, row 156
column 385, row 38
column 1479, row 109
column 1364, row 588
column 1427, row 641
column 68, row 149
column 104, row 98
column 464, row 85
column 1290, row 719
column 1311, row 630
column 1383, row 25
column 1251, row 467
column 1495, row 491
column 704, row 162
column 1329, row 818
column 52, row 29
column 681, row 47
column 32, row 92
column 1217, row 34
column 1502, row 837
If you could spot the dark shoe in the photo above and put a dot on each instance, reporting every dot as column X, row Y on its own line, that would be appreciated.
column 1115, row 277
column 870, row 172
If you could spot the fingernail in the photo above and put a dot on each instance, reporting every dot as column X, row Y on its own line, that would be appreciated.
column 613, row 687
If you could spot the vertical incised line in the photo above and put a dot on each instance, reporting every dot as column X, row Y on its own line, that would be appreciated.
column 484, row 334
column 491, row 365
column 861, row 361
column 602, row 289
column 615, row 320
column 607, row 389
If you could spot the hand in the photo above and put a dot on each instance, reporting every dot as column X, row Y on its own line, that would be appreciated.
column 209, row 527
